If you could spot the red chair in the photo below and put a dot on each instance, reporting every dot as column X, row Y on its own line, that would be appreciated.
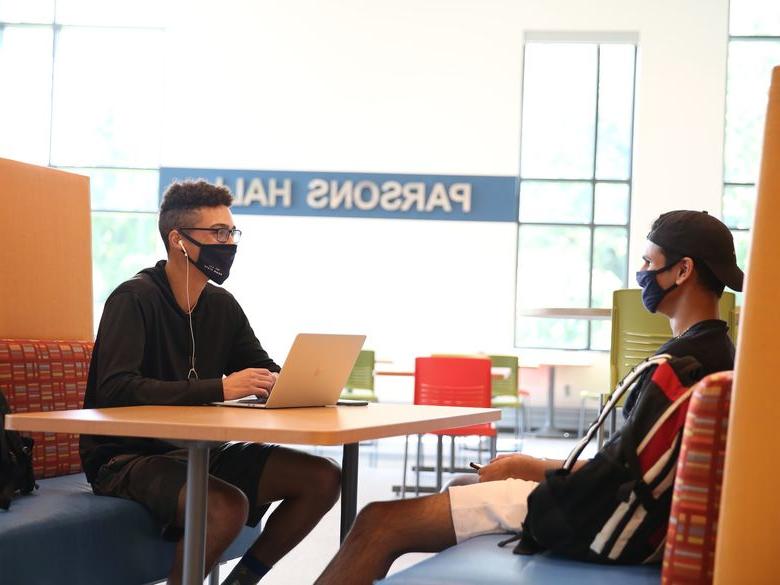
column 451, row 381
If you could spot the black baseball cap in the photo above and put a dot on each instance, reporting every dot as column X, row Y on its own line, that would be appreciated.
column 700, row 236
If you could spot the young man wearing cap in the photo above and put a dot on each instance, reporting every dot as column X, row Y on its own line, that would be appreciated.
column 688, row 259
column 169, row 337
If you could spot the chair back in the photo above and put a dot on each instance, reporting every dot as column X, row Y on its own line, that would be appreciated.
column 730, row 314
column 362, row 375
column 40, row 376
column 360, row 385
column 637, row 333
column 450, row 381
column 454, row 381
column 689, row 557
column 505, row 386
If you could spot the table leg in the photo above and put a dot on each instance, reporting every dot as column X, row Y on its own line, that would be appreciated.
column 549, row 429
column 349, row 480
column 195, row 513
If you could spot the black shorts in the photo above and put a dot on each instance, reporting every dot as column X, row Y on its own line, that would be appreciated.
column 155, row 481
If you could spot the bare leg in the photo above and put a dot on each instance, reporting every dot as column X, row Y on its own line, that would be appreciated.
column 227, row 513
column 383, row 531
column 308, row 487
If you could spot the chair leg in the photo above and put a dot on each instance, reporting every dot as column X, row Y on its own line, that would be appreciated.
column 479, row 449
column 374, row 459
column 452, row 454
column 526, row 420
column 419, row 464
column 439, row 462
column 214, row 575
column 517, row 422
column 581, row 418
column 406, row 459
column 493, row 447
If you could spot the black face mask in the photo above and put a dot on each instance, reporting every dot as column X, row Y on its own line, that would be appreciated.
column 214, row 260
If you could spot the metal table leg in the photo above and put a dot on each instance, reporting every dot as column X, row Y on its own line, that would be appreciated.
column 549, row 429
column 349, row 480
column 195, row 513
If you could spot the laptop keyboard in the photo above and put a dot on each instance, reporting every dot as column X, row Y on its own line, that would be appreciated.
column 253, row 400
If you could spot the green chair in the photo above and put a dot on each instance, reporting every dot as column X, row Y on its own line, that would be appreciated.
column 637, row 334
column 729, row 312
column 360, row 385
column 506, row 393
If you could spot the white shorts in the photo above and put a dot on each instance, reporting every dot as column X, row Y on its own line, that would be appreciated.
column 491, row 507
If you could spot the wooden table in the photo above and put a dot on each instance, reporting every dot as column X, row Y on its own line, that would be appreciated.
column 199, row 427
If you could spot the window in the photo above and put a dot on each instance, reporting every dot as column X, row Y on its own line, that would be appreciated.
column 122, row 244
column 754, row 48
column 25, row 99
column 81, row 91
column 575, row 187
column 107, row 108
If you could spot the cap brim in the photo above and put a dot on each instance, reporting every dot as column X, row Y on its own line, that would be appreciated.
column 730, row 275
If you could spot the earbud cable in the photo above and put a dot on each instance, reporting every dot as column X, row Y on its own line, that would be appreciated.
column 193, row 371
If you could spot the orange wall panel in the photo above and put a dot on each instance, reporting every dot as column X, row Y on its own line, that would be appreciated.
column 749, row 526
column 45, row 253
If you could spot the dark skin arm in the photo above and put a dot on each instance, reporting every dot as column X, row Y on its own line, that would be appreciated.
column 519, row 466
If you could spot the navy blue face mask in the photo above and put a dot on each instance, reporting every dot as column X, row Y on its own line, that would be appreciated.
column 214, row 260
column 652, row 293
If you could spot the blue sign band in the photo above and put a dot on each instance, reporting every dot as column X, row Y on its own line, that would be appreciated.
column 394, row 196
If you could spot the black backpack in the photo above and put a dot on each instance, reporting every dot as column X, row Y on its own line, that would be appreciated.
column 615, row 508
column 16, row 467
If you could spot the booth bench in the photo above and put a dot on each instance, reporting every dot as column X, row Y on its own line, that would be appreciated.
column 690, row 541
column 62, row 532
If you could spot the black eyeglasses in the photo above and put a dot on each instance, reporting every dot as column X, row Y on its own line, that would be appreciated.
column 223, row 235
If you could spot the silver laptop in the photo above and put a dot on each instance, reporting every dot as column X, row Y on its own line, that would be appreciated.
column 313, row 374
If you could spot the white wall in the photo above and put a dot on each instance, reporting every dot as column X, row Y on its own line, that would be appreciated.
column 419, row 86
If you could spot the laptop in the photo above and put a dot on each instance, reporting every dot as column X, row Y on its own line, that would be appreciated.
column 313, row 374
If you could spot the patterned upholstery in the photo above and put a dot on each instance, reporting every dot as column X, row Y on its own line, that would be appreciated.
column 690, row 542
column 42, row 376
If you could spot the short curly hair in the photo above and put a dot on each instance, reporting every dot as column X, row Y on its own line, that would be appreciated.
column 182, row 199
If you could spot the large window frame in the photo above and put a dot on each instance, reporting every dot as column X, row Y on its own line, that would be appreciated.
column 529, row 314
column 107, row 236
column 741, row 231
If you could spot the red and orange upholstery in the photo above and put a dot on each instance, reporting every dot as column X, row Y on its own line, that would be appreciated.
column 42, row 376
column 690, row 541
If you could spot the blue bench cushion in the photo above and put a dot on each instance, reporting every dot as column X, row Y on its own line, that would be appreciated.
column 63, row 533
column 479, row 560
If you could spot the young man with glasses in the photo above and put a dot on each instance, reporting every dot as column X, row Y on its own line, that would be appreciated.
column 169, row 337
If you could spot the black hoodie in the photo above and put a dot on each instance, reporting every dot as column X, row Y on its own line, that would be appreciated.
column 142, row 356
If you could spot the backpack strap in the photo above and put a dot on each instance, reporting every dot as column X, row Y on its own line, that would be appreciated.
column 622, row 388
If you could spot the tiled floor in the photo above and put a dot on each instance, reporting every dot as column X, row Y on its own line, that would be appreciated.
column 380, row 468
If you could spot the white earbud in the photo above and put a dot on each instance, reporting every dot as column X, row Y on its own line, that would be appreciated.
column 183, row 249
